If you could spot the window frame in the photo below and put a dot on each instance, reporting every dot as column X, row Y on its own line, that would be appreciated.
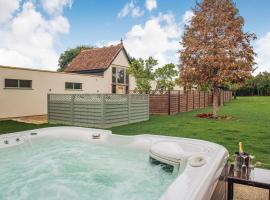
column 118, row 77
column 73, row 86
column 116, row 83
column 19, row 87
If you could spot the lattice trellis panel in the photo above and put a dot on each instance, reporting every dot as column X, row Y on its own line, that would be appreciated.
column 60, row 98
column 88, row 98
column 118, row 98
column 97, row 110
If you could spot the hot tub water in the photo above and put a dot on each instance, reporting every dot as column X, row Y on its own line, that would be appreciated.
column 70, row 169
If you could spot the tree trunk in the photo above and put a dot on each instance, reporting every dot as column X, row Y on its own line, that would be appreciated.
column 234, row 95
column 215, row 102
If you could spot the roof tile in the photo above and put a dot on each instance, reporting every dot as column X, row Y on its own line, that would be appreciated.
column 97, row 58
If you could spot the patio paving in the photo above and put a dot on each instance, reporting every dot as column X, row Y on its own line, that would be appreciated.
column 39, row 119
column 242, row 192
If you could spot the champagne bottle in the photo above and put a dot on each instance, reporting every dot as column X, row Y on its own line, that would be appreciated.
column 241, row 151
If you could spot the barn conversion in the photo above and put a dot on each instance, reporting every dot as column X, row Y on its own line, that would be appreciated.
column 98, row 70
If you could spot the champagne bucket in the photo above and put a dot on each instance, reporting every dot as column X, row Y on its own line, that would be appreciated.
column 240, row 160
column 242, row 164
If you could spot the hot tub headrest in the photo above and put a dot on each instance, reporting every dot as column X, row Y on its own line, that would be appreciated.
column 167, row 151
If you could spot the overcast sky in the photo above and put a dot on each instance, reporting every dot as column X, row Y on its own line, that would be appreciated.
column 33, row 33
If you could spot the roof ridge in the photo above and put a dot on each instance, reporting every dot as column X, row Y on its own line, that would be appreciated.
column 104, row 47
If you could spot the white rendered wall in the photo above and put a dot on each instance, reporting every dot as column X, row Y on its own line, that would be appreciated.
column 27, row 102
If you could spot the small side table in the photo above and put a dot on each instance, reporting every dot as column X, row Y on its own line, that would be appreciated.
column 259, row 178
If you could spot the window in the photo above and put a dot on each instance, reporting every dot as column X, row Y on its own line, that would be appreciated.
column 120, row 75
column 73, row 86
column 114, row 75
column 69, row 86
column 113, row 89
column 25, row 84
column 77, row 86
column 16, row 83
column 120, row 79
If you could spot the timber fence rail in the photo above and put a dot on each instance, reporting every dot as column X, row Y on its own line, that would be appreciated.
column 97, row 110
column 172, row 102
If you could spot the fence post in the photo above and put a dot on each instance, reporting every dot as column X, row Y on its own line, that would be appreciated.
column 148, row 103
column 72, row 108
column 204, row 105
column 193, row 99
column 169, row 102
column 48, row 110
column 178, row 100
column 186, row 101
column 102, row 110
column 221, row 97
column 199, row 99
column 129, row 106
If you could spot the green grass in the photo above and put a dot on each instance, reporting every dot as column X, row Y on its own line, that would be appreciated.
column 250, row 124
column 10, row 126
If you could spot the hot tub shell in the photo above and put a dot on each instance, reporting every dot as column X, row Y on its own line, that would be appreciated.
column 193, row 183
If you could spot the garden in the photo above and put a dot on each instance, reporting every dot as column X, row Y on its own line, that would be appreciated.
column 248, row 122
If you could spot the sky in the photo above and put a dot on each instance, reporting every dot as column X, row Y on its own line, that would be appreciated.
column 33, row 33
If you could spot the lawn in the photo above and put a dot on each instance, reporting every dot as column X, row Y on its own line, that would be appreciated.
column 13, row 126
column 250, row 124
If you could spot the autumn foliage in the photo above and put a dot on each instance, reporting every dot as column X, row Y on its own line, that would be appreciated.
column 216, row 50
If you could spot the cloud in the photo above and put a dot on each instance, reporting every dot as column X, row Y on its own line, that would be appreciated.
column 151, row 4
column 7, row 7
column 187, row 17
column 262, row 48
column 55, row 6
column 130, row 8
column 158, row 37
column 28, row 39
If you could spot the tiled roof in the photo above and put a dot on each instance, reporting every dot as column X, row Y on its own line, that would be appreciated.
column 92, row 59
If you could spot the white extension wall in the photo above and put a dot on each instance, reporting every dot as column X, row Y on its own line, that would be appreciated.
column 27, row 102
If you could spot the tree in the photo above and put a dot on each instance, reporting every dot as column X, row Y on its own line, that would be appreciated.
column 66, row 57
column 142, row 70
column 233, row 87
column 250, row 85
column 262, row 82
column 215, row 48
column 164, row 77
column 256, row 85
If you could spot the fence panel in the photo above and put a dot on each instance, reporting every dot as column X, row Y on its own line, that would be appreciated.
column 138, row 108
column 183, row 103
column 190, row 101
column 206, row 99
column 97, row 110
column 179, row 101
column 174, row 104
column 196, row 100
column 159, row 103
column 202, row 99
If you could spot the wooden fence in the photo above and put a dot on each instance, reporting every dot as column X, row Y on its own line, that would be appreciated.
column 97, row 110
column 174, row 102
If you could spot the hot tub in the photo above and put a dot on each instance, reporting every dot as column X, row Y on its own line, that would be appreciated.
column 83, row 163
